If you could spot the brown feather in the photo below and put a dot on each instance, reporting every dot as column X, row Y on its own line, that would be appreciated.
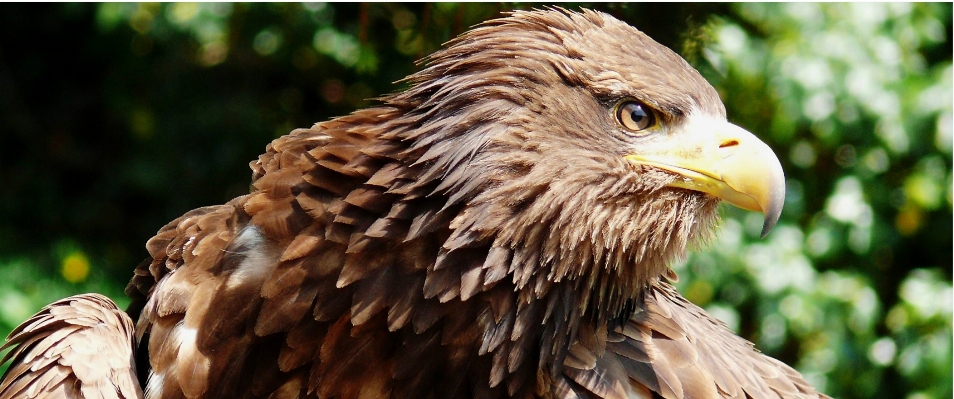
column 77, row 347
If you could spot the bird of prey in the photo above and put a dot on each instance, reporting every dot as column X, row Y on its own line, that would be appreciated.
column 502, row 228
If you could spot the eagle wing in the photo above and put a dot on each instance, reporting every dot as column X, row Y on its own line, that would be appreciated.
column 244, row 299
column 673, row 349
column 77, row 347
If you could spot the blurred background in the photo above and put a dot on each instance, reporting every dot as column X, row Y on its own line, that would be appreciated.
column 117, row 118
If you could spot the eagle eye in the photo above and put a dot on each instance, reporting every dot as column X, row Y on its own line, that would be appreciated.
column 634, row 116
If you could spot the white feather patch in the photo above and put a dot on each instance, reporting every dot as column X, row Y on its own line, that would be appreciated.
column 259, row 258
column 185, row 337
column 154, row 385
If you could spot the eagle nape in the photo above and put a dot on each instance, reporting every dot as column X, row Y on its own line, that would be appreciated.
column 503, row 228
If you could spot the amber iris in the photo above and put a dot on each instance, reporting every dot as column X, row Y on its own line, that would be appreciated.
column 634, row 116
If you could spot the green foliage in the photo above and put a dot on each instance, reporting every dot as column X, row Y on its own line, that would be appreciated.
column 116, row 118
column 856, row 279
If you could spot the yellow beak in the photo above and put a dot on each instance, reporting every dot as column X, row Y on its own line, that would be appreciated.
column 725, row 161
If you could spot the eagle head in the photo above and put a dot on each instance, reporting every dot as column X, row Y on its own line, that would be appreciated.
column 577, row 149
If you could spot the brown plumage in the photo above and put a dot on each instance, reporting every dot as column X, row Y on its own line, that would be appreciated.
column 78, row 347
column 500, row 229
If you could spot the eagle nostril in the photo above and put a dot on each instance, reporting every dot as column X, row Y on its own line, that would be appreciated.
column 729, row 143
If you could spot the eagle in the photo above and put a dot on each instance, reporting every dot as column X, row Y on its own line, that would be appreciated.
column 501, row 228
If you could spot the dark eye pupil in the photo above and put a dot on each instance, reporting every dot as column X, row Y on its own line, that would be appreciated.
column 637, row 114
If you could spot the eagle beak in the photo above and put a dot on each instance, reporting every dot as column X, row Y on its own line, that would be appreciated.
column 729, row 163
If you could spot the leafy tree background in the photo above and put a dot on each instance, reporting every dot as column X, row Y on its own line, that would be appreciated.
column 117, row 118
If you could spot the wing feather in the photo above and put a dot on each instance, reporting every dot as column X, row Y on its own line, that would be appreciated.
column 673, row 348
column 81, row 347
